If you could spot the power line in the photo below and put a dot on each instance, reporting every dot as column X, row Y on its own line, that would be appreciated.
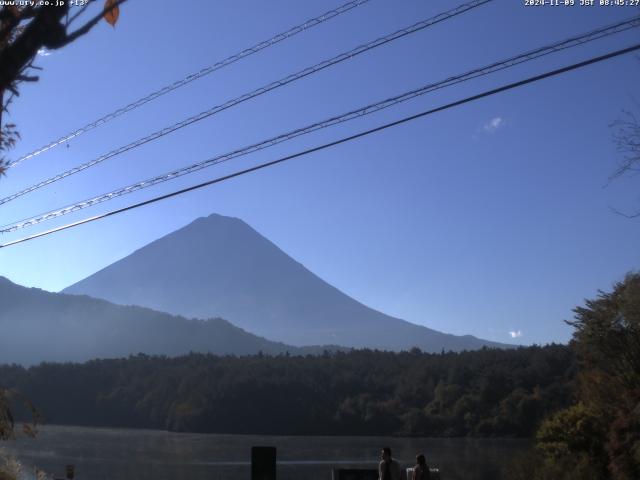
column 371, row 108
column 255, row 93
column 194, row 76
column 261, row 166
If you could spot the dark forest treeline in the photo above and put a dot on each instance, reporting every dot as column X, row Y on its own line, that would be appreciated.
column 481, row 393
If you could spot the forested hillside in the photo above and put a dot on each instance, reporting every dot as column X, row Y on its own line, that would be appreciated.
column 37, row 326
column 482, row 393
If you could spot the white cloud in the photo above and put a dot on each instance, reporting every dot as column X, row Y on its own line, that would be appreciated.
column 493, row 125
column 515, row 333
column 43, row 52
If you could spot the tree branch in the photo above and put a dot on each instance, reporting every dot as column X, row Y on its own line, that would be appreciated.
column 625, row 215
column 90, row 24
column 44, row 30
column 27, row 78
column 79, row 12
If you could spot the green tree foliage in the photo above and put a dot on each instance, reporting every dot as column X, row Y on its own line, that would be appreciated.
column 9, row 399
column 599, row 436
column 9, row 467
column 575, row 432
column 481, row 393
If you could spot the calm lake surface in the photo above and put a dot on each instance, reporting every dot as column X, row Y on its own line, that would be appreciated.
column 104, row 453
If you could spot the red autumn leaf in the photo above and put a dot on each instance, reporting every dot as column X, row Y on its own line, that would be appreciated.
column 111, row 12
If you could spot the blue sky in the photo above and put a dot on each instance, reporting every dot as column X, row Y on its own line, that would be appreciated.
column 485, row 219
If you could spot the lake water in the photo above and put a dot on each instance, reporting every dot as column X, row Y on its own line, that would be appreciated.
column 104, row 453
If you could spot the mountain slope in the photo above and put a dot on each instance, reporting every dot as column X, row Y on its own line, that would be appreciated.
column 40, row 326
column 220, row 266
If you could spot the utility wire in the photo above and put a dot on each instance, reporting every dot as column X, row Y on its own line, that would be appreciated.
column 194, row 76
column 255, row 93
column 261, row 166
column 371, row 108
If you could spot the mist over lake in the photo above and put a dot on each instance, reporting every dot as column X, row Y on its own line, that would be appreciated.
column 105, row 453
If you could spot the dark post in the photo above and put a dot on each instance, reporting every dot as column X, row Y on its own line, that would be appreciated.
column 263, row 463
column 71, row 470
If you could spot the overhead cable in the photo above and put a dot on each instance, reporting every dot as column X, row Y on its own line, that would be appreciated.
column 194, row 76
column 255, row 93
column 366, row 110
column 261, row 166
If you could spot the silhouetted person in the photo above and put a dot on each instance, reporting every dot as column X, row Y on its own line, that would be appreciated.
column 421, row 470
column 388, row 469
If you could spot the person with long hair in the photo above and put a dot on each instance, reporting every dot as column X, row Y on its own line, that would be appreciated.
column 421, row 470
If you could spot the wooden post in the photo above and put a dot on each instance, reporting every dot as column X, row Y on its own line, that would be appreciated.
column 263, row 463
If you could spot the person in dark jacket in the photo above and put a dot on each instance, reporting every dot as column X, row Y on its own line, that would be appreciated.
column 388, row 469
